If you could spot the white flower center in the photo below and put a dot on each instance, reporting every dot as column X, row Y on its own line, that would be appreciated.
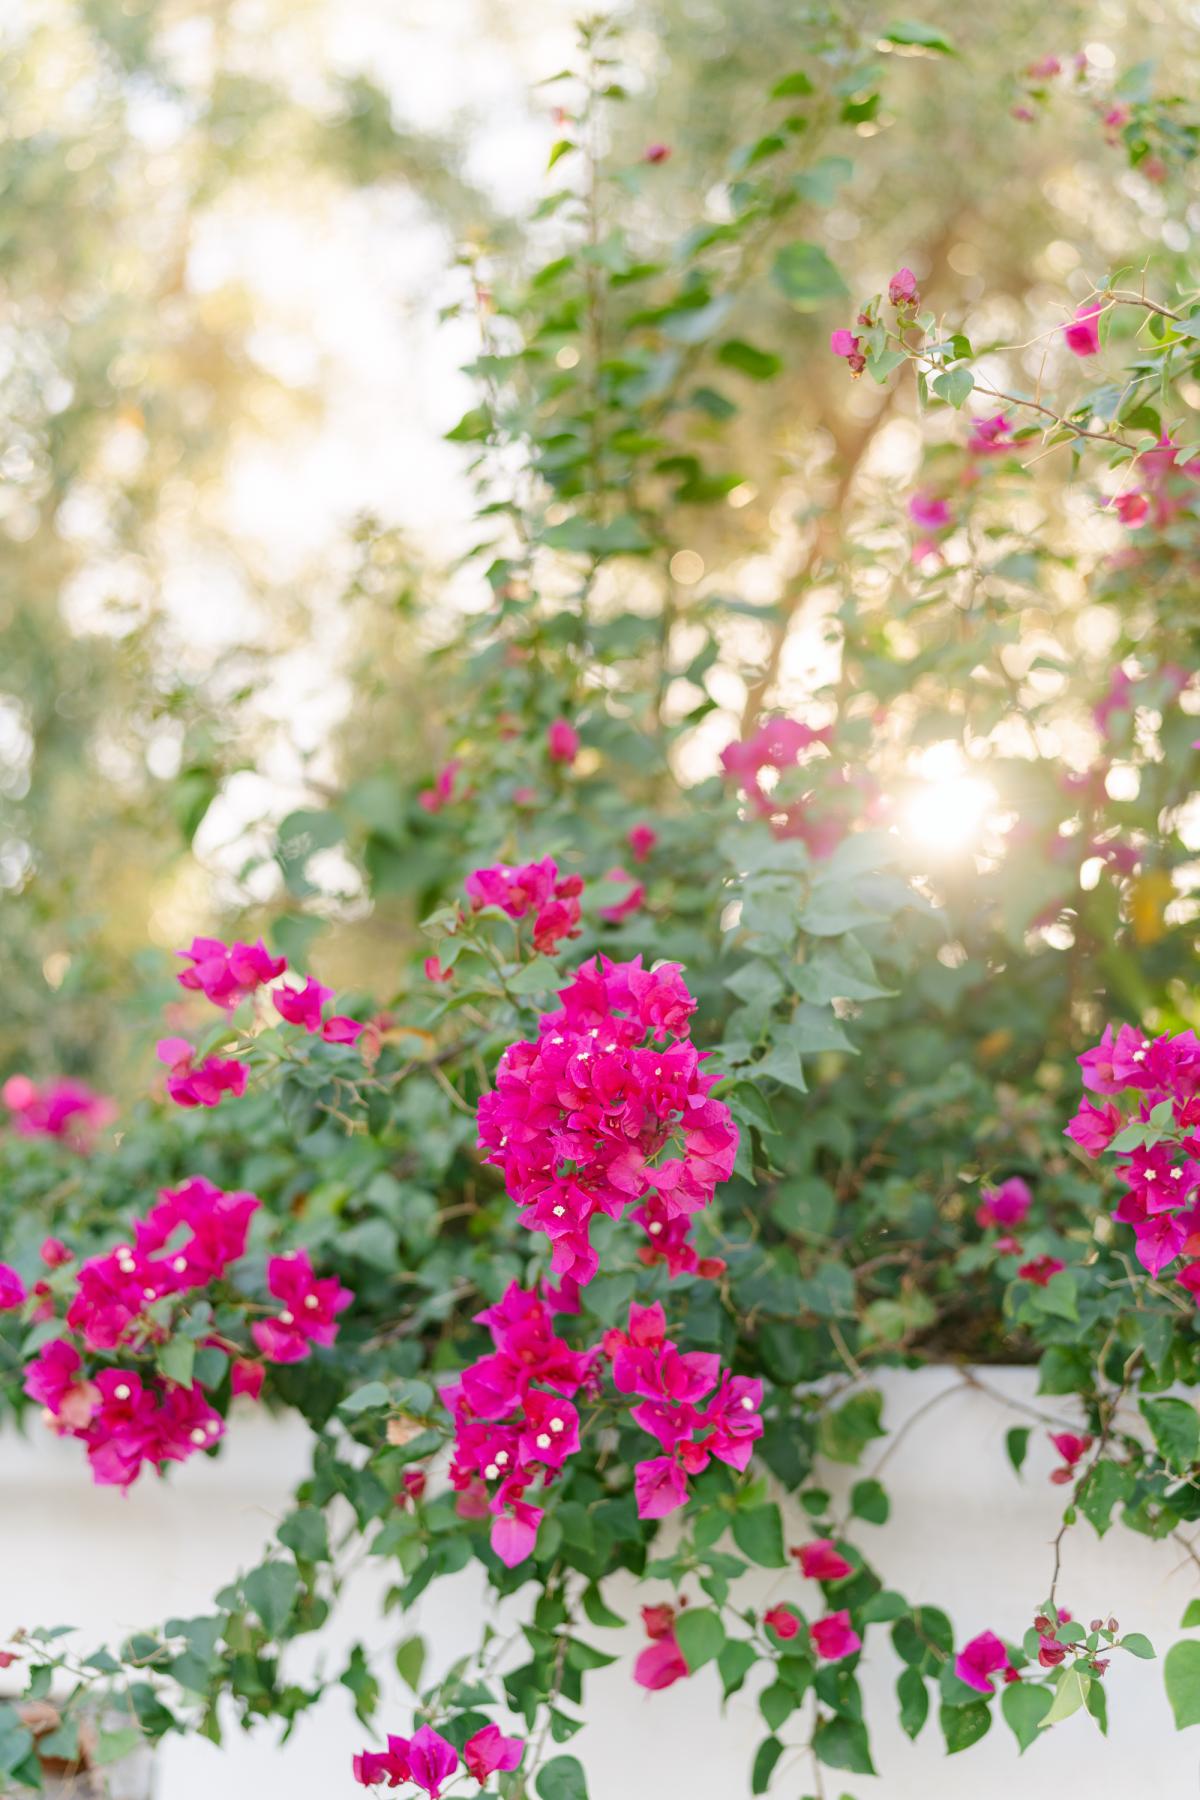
column 502, row 1457
column 491, row 1472
column 286, row 1318
column 198, row 1435
column 542, row 1440
column 121, row 1392
column 558, row 1425
column 311, row 1301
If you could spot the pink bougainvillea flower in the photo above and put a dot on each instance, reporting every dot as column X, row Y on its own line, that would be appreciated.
column 562, row 741
column 642, row 840
column 310, row 1309
column 12, row 1289
column 434, row 798
column 227, row 973
column 783, row 1621
column 660, row 1486
column 431, row 1760
column 661, row 1663
column 592, row 1093
column 902, row 289
column 1093, row 1128
column 656, row 153
column 1044, row 68
column 1071, row 1448
column 930, row 512
column 1050, row 1651
column 302, row 1006
column 341, row 1030
column 629, row 903
column 514, row 1532
column 54, row 1253
column 820, row 1561
column 412, row 1487
column 63, row 1109
column 1007, row 1205
column 1041, row 1269
column 834, row 1637
column 374, row 1766
column 844, row 343
column 982, row 1658
column 1159, row 1240
column 489, row 1750
column 990, row 437
column 1115, row 121
column 199, row 1084
column 1133, row 508
column 1082, row 333
column 537, row 889
column 435, row 972
column 247, row 1378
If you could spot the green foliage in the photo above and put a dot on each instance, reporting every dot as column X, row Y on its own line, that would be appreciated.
column 894, row 972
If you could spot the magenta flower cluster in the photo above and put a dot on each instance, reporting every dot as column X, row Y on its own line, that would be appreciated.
column 63, row 1109
column 515, row 1422
column 428, row 1760
column 537, row 889
column 227, row 974
column 687, row 1402
column 607, row 1109
column 1152, row 1076
column 189, row 1239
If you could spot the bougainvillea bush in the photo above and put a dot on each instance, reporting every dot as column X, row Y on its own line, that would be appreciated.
column 727, row 1068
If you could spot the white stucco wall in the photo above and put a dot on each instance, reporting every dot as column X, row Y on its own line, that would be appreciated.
column 964, row 1533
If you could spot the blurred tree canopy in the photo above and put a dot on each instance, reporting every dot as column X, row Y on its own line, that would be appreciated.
column 143, row 623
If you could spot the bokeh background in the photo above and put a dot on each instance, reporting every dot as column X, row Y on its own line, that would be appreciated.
column 232, row 240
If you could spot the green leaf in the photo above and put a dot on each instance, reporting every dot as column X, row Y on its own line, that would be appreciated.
column 177, row 1360
column 1069, row 1695
column 869, row 1501
column 1138, row 1645
column 536, row 977
column 882, row 364
column 700, row 1636
column 963, row 1726
column 925, row 37
column 844, row 1434
column 804, row 274
column 795, row 85
column 1016, row 1443
column 777, row 1703
column 819, row 185
column 410, row 1660
column 113, row 1746
column 562, row 148
column 562, row 1778
column 1191, row 1615
column 767, row 1755
column 1175, row 1426
column 735, row 1663
column 366, row 1398
column 304, row 1533
column 1107, row 1484
column 1024, row 1707
column 1181, row 1671
column 913, row 1696
column 843, row 1744
column 597, row 1611
column 271, row 1591
column 760, row 365
column 758, row 1534
column 953, row 385
column 15, row 1741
